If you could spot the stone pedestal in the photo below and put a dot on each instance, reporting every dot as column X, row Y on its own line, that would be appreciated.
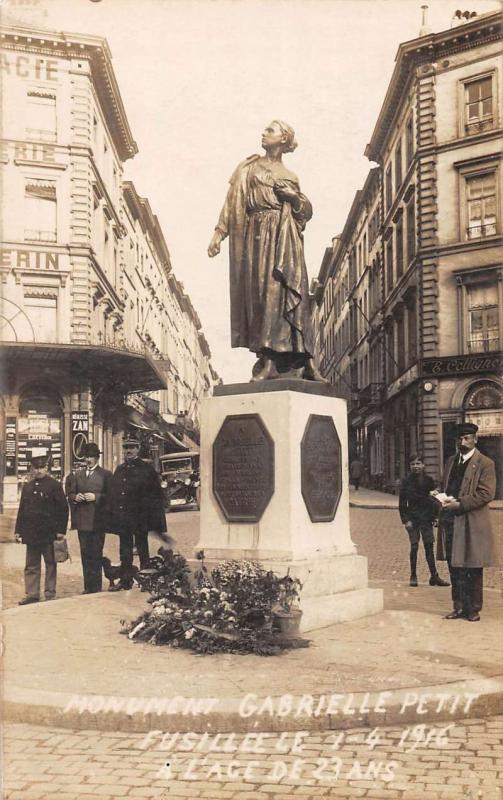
column 277, row 465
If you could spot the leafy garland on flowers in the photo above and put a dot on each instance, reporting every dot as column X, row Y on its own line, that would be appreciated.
column 228, row 611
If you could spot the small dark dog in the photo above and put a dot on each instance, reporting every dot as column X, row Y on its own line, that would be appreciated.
column 116, row 573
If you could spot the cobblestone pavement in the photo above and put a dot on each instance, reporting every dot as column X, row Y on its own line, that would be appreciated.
column 377, row 533
column 461, row 762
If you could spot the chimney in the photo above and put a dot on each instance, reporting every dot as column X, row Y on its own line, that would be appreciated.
column 425, row 29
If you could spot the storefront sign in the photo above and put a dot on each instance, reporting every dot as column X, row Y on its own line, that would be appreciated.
column 28, row 66
column 321, row 468
column 36, row 429
column 404, row 380
column 243, row 468
column 80, row 437
column 29, row 259
column 10, row 446
column 27, row 151
column 462, row 365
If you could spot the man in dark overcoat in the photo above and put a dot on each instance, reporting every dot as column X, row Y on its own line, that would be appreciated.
column 136, row 509
column 87, row 491
column 466, row 538
column 42, row 517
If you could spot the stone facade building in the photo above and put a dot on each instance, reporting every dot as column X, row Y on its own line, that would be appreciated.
column 432, row 322
column 98, row 335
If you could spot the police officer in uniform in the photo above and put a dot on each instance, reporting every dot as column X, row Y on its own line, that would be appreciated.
column 42, row 517
column 136, row 509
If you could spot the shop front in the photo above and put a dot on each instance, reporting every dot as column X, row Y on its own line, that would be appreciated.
column 480, row 402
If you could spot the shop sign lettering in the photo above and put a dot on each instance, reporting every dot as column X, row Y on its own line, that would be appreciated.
column 27, row 151
column 29, row 259
column 462, row 364
column 29, row 67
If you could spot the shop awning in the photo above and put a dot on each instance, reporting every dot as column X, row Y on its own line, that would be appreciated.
column 176, row 440
column 101, row 364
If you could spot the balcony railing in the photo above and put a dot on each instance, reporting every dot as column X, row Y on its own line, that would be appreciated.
column 484, row 344
column 481, row 231
column 39, row 236
column 479, row 125
column 40, row 135
column 371, row 395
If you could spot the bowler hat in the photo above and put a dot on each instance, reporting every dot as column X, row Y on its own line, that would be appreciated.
column 92, row 449
column 466, row 429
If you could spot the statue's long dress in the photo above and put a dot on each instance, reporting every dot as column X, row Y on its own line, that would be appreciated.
column 268, row 276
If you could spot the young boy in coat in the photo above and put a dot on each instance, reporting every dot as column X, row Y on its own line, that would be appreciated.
column 417, row 512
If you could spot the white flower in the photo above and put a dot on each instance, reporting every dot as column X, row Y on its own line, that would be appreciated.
column 190, row 633
column 159, row 610
column 223, row 596
column 136, row 630
column 208, row 613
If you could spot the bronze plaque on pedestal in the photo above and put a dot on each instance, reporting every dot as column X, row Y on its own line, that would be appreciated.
column 243, row 468
column 321, row 468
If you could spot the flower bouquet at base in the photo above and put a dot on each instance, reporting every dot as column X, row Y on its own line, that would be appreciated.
column 231, row 610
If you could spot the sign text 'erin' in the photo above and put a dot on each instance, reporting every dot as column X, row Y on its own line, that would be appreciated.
column 29, row 259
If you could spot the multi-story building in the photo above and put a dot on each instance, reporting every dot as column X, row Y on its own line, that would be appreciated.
column 93, row 319
column 435, row 316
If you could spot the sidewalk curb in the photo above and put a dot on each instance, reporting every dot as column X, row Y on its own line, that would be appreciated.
column 85, row 712
column 373, row 506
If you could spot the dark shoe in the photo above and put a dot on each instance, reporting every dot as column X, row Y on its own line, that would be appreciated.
column 473, row 617
column 436, row 580
column 455, row 615
column 116, row 587
column 413, row 580
column 27, row 600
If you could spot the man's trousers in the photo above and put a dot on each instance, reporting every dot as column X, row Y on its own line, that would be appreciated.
column 32, row 571
column 91, row 553
column 466, row 582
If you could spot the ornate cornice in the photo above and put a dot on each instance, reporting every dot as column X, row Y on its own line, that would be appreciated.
column 95, row 50
column 423, row 52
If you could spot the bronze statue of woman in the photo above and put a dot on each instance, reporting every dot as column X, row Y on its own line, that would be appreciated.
column 264, row 215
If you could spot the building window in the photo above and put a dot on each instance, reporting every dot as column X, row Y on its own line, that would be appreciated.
column 390, row 355
column 412, row 332
column 398, row 165
column 399, row 248
column 400, row 343
column 389, row 188
column 479, row 104
column 483, row 318
column 481, row 205
column 389, row 264
column 40, row 210
column 411, row 231
column 43, row 312
column 409, row 140
column 41, row 116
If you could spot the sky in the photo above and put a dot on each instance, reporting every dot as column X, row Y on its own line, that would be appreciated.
column 200, row 79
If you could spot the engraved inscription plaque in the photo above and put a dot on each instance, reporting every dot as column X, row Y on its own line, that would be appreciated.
column 321, row 468
column 243, row 468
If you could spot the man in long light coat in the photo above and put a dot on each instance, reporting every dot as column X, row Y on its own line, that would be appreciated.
column 466, row 538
